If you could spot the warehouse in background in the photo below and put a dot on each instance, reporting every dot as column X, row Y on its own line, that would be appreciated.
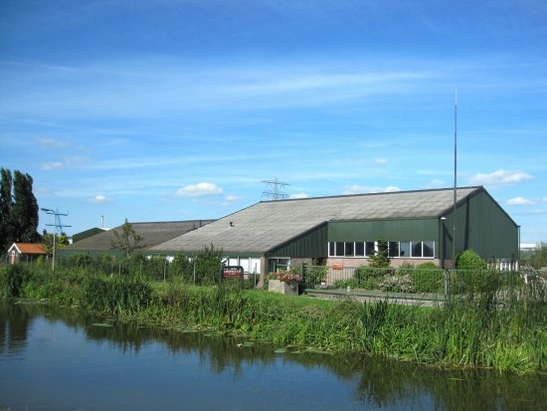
column 343, row 231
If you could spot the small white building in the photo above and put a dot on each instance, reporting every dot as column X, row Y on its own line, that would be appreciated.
column 25, row 252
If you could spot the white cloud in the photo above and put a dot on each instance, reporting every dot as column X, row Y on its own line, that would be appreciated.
column 52, row 165
column 233, row 198
column 436, row 182
column 357, row 189
column 520, row 201
column 381, row 161
column 54, row 143
column 230, row 199
column 100, row 199
column 200, row 189
column 300, row 195
column 500, row 177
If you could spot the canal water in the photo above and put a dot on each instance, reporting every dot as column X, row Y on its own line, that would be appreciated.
column 53, row 359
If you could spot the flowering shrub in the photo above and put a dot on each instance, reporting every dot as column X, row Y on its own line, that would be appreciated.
column 397, row 284
column 285, row 276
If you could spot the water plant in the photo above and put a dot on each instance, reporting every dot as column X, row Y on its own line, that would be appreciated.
column 117, row 294
column 501, row 323
column 13, row 277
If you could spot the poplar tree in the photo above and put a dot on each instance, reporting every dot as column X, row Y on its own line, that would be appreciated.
column 6, row 203
column 18, row 209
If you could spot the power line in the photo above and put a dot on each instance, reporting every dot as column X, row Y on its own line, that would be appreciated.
column 273, row 188
column 58, row 224
column 58, row 229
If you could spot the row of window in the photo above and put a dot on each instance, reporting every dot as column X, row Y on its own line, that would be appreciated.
column 396, row 249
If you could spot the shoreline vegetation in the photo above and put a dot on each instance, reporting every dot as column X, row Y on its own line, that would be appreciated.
column 501, row 326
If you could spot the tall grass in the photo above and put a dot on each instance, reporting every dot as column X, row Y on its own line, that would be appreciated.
column 500, row 326
column 117, row 294
column 500, row 323
column 13, row 279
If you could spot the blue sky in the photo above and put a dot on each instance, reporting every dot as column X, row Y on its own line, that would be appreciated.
column 179, row 109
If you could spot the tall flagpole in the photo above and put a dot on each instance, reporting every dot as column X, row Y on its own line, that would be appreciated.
column 455, row 178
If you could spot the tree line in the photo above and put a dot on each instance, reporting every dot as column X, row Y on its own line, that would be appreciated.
column 19, row 223
column 18, row 209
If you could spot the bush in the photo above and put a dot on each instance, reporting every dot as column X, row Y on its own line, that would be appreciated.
column 13, row 279
column 314, row 275
column 370, row 278
column 207, row 264
column 428, row 278
column 424, row 278
column 471, row 275
column 380, row 258
column 80, row 260
column 397, row 283
column 181, row 268
column 345, row 283
column 470, row 260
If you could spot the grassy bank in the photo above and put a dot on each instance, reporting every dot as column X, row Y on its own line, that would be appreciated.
column 501, row 326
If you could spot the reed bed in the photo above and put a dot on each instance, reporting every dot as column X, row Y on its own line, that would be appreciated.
column 501, row 325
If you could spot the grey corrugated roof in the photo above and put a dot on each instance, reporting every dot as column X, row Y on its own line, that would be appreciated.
column 268, row 224
column 152, row 234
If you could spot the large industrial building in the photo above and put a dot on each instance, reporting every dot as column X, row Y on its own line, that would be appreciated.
column 152, row 234
column 419, row 226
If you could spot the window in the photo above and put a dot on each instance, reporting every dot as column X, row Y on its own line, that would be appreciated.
column 429, row 248
column 279, row 263
column 416, row 249
column 336, row 249
column 404, row 248
column 411, row 249
column 349, row 249
column 393, row 249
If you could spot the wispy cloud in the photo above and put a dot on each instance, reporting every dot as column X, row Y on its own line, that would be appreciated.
column 230, row 200
column 357, row 189
column 155, row 86
column 520, row 201
column 100, row 199
column 299, row 195
column 199, row 190
column 71, row 161
column 52, row 165
column 500, row 177
column 190, row 108
column 52, row 143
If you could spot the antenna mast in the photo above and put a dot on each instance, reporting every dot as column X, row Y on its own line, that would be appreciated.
column 273, row 189
column 455, row 178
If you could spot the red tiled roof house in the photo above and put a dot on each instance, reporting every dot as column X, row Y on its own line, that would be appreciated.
column 26, row 252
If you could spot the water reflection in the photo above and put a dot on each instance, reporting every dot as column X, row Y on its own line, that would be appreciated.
column 14, row 326
column 318, row 381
